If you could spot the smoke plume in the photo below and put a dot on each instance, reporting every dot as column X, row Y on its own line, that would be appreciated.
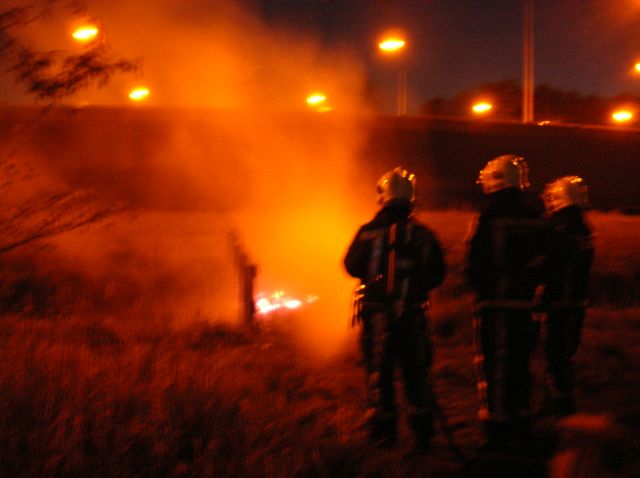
column 225, row 142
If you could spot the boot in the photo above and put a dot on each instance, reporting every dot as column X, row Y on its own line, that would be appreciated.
column 382, row 431
column 423, row 430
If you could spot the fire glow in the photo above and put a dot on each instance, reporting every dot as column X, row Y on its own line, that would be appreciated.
column 266, row 304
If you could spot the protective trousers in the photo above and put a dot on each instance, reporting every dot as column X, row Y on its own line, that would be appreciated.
column 563, row 331
column 504, row 343
column 388, row 339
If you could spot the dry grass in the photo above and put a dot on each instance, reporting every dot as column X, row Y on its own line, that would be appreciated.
column 103, row 399
column 125, row 393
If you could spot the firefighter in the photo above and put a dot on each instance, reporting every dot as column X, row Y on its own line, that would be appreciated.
column 507, row 247
column 398, row 261
column 567, row 283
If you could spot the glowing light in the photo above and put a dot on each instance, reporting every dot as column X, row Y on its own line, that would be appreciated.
column 315, row 99
column 292, row 303
column 85, row 33
column 263, row 305
column 266, row 304
column 318, row 101
column 139, row 93
column 482, row 107
column 622, row 116
column 637, row 67
column 391, row 45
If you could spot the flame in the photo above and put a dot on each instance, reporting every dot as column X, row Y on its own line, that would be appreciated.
column 85, row 33
column 292, row 303
column 265, row 304
column 139, row 93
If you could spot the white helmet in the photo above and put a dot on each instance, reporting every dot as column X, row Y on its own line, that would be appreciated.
column 563, row 192
column 506, row 171
column 396, row 185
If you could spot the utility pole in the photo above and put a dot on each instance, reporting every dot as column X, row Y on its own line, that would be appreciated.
column 402, row 91
column 394, row 45
column 528, row 83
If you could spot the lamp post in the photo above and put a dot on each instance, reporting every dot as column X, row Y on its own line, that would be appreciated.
column 394, row 45
column 528, row 84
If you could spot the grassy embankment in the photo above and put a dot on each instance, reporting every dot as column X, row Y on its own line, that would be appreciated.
column 125, row 393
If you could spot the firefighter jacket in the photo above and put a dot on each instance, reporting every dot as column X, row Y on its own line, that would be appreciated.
column 569, row 262
column 507, row 250
column 396, row 257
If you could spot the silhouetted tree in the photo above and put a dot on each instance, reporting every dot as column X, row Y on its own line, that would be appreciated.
column 33, row 209
column 504, row 95
column 53, row 75
column 551, row 103
column 569, row 106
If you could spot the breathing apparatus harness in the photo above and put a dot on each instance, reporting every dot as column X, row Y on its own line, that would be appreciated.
column 393, row 292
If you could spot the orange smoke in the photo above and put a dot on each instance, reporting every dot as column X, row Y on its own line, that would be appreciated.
column 234, row 147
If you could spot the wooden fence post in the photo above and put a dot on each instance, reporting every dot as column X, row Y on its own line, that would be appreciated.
column 247, row 272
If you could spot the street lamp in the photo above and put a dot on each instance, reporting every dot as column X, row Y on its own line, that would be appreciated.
column 88, row 31
column 622, row 116
column 394, row 45
column 315, row 99
column 85, row 33
column 482, row 108
column 318, row 101
column 139, row 93
column 391, row 45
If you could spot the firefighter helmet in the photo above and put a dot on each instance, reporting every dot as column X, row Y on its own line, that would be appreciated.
column 396, row 185
column 564, row 192
column 506, row 171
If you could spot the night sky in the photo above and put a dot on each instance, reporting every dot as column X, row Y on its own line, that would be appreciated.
column 587, row 46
